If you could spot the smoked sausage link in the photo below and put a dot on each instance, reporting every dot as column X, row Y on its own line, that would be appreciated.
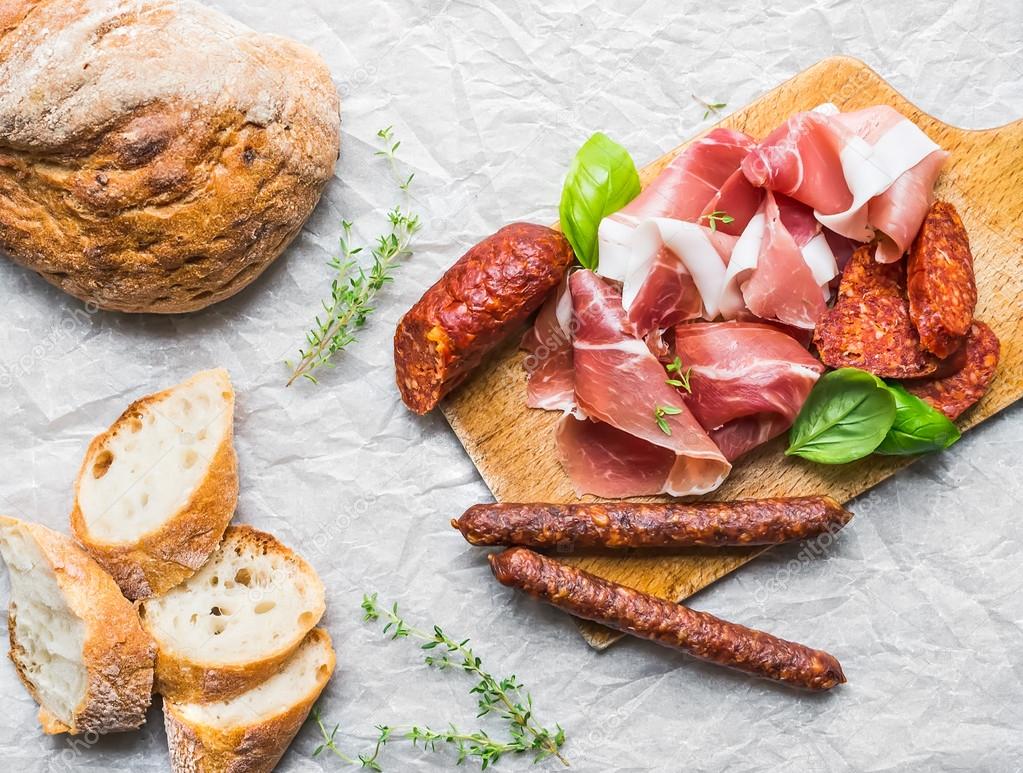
column 479, row 301
column 638, row 525
column 697, row 633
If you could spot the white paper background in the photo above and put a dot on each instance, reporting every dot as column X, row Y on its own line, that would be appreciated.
column 921, row 597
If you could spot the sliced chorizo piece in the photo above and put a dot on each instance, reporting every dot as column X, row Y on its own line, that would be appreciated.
column 673, row 625
column 940, row 282
column 863, row 275
column 646, row 525
column 873, row 333
column 954, row 394
column 485, row 296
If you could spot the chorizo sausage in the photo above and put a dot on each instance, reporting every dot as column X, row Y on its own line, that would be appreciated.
column 697, row 633
column 869, row 326
column 639, row 525
column 940, row 282
column 954, row 393
column 481, row 299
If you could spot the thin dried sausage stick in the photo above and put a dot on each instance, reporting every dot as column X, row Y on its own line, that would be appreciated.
column 636, row 525
column 486, row 295
column 673, row 625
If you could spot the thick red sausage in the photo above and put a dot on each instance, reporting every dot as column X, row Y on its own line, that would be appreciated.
column 940, row 282
column 479, row 301
column 698, row 633
column 638, row 525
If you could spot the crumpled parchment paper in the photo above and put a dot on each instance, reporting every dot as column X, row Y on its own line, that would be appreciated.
column 921, row 597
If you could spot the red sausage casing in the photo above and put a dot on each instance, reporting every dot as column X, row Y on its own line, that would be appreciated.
column 698, row 633
column 479, row 301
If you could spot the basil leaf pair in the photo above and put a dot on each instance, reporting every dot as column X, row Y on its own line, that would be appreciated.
column 601, row 180
column 851, row 413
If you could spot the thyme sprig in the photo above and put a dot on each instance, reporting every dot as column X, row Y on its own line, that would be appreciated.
column 505, row 697
column 354, row 287
column 711, row 107
column 715, row 217
column 681, row 379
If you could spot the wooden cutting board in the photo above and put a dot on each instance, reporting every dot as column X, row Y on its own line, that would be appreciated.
column 513, row 446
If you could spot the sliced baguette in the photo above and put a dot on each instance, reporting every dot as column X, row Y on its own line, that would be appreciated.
column 252, row 731
column 156, row 490
column 233, row 623
column 76, row 642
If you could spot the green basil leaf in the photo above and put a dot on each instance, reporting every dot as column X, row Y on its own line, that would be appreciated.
column 845, row 417
column 918, row 427
column 601, row 180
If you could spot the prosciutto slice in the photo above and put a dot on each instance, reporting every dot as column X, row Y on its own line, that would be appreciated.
column 681, row 191
column 677, row 273
column 865, row 173
column 749, row 381
column 550, row 379
column 781, row 266
column 618, row 382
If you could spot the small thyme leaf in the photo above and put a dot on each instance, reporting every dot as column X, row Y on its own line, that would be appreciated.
column 682, row 380
column 715, row 217
column 665, row 410
column 711, row 107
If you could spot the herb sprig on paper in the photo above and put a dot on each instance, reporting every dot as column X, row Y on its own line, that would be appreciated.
column 355, row 286
column 506, row 698
column 712, row 108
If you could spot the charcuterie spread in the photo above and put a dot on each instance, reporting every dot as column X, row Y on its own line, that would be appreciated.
column 804, row 282
column 704, row 309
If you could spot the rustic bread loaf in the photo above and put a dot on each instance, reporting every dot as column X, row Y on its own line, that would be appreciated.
column 76, row 642
column 156, row 490
column 253, row 730
column 155, row 155
column 233, row 623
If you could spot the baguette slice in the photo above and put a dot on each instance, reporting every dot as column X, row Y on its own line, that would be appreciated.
column 157, row 489
column 76, row 642
column 252, row 731
column 233, row 623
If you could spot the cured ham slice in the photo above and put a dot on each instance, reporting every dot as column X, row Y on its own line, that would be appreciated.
column 898, row 213
column 843, row 165
column 677, row 273
column 681, row 191
column 619, row 382
column 550, row 379
column 801, row 159
column 739, row 199
column 781, row 266
column 749, row 381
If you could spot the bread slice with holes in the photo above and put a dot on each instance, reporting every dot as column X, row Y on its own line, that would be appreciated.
column 158, row 488
column 251, row 731
column 76, row 642
column 233, row 623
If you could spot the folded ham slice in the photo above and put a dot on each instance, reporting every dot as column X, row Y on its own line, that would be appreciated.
column 682, row 191
column 748, row 380
column 865, row 173
column 550, row 379
column 781, row 266
column 618, row 382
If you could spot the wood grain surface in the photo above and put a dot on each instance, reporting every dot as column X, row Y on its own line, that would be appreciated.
column 513, row 446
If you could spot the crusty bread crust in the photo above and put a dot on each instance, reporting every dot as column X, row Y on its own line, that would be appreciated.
column 170, row 554
column 118, row 653
column 188, row 681
column 252, row 748
column 160, row 155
